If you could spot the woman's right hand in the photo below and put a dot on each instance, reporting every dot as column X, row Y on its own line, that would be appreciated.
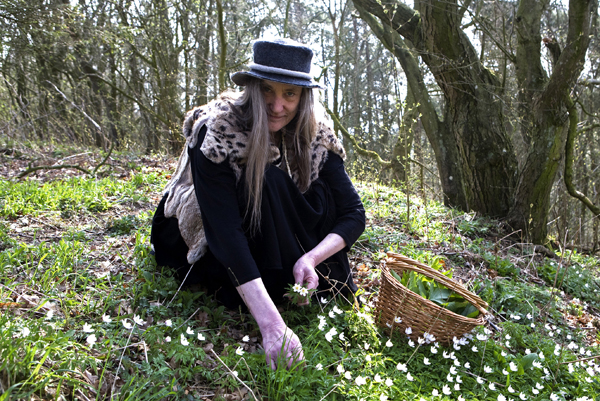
column 279, row 341
column 281, row 345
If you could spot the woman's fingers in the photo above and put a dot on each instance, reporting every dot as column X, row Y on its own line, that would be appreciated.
column 282, row 345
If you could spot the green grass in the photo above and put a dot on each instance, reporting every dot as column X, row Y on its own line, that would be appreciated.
column 75, row 266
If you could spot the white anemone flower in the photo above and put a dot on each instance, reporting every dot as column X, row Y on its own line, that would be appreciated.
column 184, row 340
column 138, row 320
column 91, row 340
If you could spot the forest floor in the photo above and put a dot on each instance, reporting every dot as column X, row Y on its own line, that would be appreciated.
column 86, row 313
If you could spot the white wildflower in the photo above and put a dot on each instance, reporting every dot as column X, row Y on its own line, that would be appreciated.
column 184, row 340
column 446, row 390
column 91, row 340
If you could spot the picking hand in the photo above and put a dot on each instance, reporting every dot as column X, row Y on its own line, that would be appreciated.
column 281, row 345
column 304, row 273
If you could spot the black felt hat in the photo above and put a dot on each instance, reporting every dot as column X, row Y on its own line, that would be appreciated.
column 279, row 60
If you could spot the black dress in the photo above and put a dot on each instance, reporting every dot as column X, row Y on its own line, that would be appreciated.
column 292, row 223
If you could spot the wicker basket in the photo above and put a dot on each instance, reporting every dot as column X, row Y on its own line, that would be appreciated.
column 418, row 313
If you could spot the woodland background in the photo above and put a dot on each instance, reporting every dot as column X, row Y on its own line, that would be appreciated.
column 488, row 106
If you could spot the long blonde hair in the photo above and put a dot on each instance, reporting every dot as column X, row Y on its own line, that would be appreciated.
column 252, row 111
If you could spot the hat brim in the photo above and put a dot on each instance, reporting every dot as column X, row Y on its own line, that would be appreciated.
column 241, row 78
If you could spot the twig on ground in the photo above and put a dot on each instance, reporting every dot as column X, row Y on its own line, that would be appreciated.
column 112, row 390
column 232, row 374
column 180, row 285
column 330, row 391
column 582, row 359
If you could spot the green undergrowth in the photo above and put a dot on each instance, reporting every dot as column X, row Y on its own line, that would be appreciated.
column 87, row 314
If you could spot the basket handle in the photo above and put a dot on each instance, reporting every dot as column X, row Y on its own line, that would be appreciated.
column 422, row 268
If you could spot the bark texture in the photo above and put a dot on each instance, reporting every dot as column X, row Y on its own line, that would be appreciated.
column 475, row 157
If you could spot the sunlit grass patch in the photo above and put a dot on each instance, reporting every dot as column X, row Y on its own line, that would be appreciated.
column 86, row 313
column 75, row 195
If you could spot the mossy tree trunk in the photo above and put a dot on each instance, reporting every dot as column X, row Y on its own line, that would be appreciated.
column 545, row 112
column 475, row 157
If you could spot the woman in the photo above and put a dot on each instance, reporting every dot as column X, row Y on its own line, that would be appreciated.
column 260, row 199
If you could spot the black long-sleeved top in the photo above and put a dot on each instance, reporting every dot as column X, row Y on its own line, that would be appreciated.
column 292, row 223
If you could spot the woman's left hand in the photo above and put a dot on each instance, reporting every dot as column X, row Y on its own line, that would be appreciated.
column 304, row 273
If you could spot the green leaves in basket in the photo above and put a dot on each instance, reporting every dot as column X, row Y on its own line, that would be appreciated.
column 432, row 290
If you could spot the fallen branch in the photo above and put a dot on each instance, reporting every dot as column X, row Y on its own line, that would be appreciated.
column 73, row 166
column 233, row 374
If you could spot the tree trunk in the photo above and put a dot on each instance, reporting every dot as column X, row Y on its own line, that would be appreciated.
column 546, row 121
column 404, row 143
column 475, row 158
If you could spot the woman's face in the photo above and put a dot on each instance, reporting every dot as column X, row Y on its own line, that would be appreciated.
column 282, row 103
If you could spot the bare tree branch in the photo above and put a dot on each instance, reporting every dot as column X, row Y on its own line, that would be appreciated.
column 364, row 152
column 570, row 144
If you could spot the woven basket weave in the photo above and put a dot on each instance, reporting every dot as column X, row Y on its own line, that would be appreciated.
column 418, row 313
